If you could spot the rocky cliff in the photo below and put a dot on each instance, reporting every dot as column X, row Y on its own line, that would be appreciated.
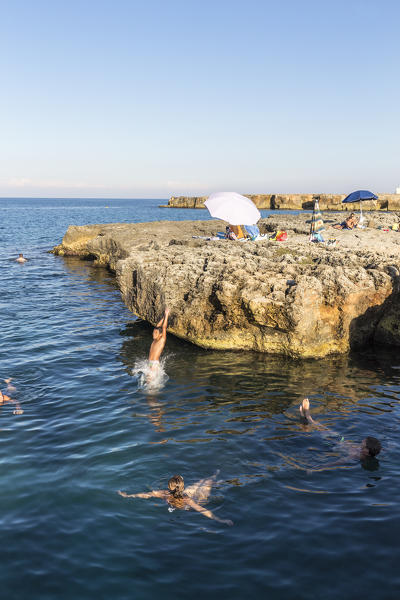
column 295, row 202
column 294, row 298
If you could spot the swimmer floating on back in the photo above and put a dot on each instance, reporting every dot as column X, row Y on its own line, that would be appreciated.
column 178, row 497
column 368, row 449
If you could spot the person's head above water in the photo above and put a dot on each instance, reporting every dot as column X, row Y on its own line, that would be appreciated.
column 370, row 447
column 176, row 485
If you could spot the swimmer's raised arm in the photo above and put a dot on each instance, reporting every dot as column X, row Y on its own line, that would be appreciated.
column 305, row 413
column 165, row 321
column 304, row 409
column 162, row 323
column 207, row 513
column 153, row 494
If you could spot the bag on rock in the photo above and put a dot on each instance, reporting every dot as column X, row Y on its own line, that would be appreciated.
column 281, row 236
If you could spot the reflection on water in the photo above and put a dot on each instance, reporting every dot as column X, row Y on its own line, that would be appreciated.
column 252, row 401
column 255, row 386
column 86, row 271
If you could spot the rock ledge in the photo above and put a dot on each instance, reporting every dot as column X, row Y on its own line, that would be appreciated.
column 294, row 298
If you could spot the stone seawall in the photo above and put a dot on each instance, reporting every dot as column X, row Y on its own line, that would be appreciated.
column 294, row 298
column 296, row 202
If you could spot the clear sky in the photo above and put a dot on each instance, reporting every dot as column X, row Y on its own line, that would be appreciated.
column 153, row 98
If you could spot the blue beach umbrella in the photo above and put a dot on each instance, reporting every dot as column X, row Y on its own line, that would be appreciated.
column 359, row 196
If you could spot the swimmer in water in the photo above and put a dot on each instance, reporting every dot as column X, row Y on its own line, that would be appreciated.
column 4, row 398
column 368, row 449
column 159, row 339
column 21, row 258
column 156, row 348
column 178, row 497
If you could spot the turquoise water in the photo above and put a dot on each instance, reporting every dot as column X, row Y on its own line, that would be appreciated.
column 302, row 528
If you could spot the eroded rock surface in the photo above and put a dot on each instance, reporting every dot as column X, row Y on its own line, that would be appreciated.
column 294, row 298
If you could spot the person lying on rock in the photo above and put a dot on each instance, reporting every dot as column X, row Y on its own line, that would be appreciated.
column 178, row 497
column 350, row 223
column 367, row 450
column 4, row 398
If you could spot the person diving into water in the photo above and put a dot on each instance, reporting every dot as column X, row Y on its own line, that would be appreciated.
column 156, row 348
column 178, row 497
column 367, row 450
column 159, row 339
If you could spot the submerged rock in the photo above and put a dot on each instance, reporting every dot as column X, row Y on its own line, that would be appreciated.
column 294, row 298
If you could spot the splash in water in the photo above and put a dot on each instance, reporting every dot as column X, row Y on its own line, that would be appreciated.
column 150, row 375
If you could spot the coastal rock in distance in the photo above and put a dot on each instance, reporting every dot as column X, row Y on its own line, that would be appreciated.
column 295, row 202
column 293, row 298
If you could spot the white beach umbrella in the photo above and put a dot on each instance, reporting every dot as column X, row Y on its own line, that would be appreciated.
column 233, row 208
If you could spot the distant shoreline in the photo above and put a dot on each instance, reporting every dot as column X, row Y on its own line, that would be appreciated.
column 331, row 202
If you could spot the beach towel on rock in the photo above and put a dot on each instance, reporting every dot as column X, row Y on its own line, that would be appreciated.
column 252, row 231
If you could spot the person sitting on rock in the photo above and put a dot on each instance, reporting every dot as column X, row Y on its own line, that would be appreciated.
column 235, row 232
column 21, row 258
column 4, row 398
column 178, row 498
column 368, row 449
column 349, row 223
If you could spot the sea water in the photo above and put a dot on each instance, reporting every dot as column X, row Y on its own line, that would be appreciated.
column 92, row 426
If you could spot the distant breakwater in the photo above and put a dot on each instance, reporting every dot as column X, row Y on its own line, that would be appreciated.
column 295, row 202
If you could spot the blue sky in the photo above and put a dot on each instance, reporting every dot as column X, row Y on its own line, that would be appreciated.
column 153, row 99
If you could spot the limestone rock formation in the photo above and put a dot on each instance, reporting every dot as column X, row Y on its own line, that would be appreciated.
column 294, row 298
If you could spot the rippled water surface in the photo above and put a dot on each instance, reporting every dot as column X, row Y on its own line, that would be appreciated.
column 305, row 524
